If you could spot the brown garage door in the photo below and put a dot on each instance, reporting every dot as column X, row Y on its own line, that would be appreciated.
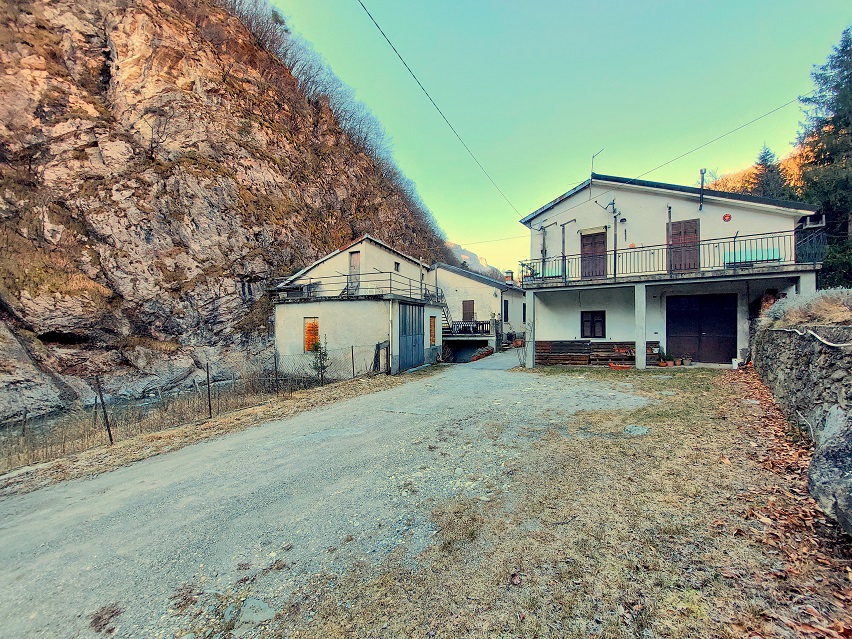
column 704, row 326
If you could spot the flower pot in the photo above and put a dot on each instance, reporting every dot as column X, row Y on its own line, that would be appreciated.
column 677, row 362
column 670, row 363
column 687, row 361
column 661, row 364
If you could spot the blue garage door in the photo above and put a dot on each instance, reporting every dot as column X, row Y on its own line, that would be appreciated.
column 410, row 336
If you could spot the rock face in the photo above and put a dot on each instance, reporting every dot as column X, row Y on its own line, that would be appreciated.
column 157, row 168
column 813, row 383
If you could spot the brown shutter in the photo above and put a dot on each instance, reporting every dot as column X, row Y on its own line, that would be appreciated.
column 467, row 311
column 431, row 330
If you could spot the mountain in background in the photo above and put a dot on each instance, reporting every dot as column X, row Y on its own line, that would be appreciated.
column 474, row 262
column 158, row 167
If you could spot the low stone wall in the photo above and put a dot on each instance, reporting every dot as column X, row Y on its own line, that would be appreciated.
column 809, row 370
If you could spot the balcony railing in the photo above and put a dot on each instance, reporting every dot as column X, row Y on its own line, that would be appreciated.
column 472, row 327
column 378, row 284
column 741, row 252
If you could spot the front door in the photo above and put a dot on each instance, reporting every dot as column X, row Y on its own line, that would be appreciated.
column 684, row 246
column 354, row 279
column 704, row 326
column 411, row 350
column 593, row 255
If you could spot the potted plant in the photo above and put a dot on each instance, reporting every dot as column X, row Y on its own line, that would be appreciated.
column 662, row 361
column 669, row 360
column 687, row 359
column 678, row 361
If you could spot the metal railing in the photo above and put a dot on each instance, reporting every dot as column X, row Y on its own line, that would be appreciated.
column 729, row 253
column 472, row 327
column 378, row 284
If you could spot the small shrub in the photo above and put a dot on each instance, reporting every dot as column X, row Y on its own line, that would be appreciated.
column 830, row 306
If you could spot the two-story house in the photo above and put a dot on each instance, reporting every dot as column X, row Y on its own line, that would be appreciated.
column 364, row 295
column 621, row 266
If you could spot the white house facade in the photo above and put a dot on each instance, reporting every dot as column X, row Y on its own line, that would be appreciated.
column 367, row 297
column 621, row 267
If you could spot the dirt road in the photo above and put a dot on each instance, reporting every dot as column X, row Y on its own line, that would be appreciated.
column 277, row 503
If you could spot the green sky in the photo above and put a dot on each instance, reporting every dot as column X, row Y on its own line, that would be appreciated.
column 536, row 88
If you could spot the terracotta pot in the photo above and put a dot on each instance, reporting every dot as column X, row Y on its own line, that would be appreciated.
column 661, row 364
column 670, row 363
column 677, row 362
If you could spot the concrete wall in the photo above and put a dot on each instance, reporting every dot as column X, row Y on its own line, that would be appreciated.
column 342, row 324
column 375, row 260
column 486, row 298
column 646, row 214
column 514, row 322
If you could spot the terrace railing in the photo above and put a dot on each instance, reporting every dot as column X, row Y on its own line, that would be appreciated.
column 378, row 284
column 729, row 253
column 472, row 327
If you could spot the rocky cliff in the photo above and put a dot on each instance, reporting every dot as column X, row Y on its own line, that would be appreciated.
column 157, row 167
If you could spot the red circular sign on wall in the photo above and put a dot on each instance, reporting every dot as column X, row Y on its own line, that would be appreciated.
column 726, row 217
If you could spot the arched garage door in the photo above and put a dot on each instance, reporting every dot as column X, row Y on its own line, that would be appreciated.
column 704, row 326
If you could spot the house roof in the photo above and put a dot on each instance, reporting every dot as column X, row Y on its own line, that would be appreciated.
column 691, row 190
column 484, row 279
column 346, row 247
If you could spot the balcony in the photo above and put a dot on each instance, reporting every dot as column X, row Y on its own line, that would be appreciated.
column 722, row 256
column 378, row 285
column 472, row 327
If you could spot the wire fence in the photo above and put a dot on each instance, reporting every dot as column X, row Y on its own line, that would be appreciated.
column 25, row 441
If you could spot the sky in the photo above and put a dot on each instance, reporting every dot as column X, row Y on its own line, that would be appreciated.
column 536, row 88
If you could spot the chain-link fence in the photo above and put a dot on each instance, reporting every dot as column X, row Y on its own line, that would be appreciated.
column 215, row 391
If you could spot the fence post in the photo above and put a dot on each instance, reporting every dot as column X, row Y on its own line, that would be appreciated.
column 209, row 400
column 353, row 362
column 24, row 425
column 95, row 414
column 275, row 359
column 103, row 408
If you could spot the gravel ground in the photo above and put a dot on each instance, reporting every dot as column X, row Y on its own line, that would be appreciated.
column 273, row 505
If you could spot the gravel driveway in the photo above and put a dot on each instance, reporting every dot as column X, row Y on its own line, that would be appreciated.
column 277, row 503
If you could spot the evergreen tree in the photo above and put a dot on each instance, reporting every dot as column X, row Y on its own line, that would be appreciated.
column 827, row 140
column 765, row 179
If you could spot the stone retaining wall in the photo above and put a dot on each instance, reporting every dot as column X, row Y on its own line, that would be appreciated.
column 809, row 371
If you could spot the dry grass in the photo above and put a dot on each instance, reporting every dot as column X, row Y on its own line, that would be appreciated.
column 101, row 619
column 822, row 310
column 97, row 456
column 605, row 535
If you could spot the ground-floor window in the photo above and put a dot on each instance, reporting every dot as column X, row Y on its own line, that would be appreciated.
column 593, row 324
column 505, row 310
column 311, row 332
column 524, row 313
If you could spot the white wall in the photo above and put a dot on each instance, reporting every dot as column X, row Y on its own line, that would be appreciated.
column 376, row 263
column 342, row 324
column 486, row 298
column 646, row 214
column 557, row 314
column 516, row 299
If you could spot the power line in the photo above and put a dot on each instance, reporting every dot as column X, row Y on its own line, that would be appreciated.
column 437, row 108
column 659, row 166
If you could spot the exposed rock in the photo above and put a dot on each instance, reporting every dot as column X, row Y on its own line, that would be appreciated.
column 811, row 381
column 158, row 168
column 830, row 473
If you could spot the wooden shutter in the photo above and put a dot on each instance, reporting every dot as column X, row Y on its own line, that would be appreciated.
column 311, row 332
column 431, row 330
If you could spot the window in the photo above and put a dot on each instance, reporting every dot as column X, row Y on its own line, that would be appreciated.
column 396, row 266
column 505, row 310
column 431, row 330
column 311, row 332
column 524, row 313
column 593, row 324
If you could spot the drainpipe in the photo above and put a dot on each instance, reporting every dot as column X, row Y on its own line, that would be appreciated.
column 701, row 191
column 669, row 242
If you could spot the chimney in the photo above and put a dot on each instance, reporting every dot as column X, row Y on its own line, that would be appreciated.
column 509, row 275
